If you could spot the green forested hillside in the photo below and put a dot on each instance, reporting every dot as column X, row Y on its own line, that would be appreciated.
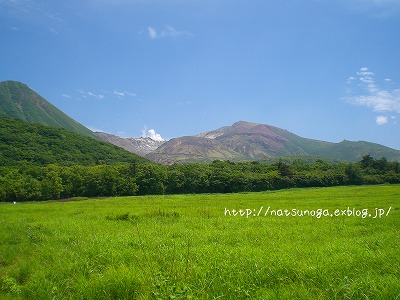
column 18, row 101
column 28, row 143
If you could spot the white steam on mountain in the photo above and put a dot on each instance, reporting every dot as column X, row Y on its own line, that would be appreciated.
column 151, row 134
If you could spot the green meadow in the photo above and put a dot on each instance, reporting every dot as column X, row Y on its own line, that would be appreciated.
column 314, row 243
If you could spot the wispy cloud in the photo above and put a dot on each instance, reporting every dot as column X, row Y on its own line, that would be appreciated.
column 152, row 32
column 52, row 30
column 123, row 94
column 374, row 8
column 166, row 32
column 373, row 96
column 90, row 94
column 22, row 6
column 35, row 13
column 103, row 94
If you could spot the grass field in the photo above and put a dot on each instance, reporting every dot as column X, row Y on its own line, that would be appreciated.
column 194, row 247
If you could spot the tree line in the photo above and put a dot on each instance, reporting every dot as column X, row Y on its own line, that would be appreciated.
column 35, row 183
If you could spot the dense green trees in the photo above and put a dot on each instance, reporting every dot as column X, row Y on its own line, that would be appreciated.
column 29, row 183
column 23, row 143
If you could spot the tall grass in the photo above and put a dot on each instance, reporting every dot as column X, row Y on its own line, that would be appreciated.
column 184, row 247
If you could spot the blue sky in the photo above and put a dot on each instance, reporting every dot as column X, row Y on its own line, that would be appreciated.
column 325, row 70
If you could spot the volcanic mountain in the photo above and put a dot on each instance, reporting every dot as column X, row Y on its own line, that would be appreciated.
column 251, row 141
column 18, row 101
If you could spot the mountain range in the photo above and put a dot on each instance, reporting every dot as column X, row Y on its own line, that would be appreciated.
column 251, row 141
column 245, row 141
column 242, row 141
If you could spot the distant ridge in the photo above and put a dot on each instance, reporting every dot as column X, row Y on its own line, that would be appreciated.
column 251, row 141
column 141, row 146
column 18, row 101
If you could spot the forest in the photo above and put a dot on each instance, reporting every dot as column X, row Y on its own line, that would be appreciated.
column 53, row 181
column 23, row 143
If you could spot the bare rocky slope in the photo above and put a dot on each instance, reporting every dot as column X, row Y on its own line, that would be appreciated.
column 251, row 141
column 193, row 149
column 140, row 146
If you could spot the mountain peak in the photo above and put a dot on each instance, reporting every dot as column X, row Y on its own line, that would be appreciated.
column 246, row 124
column 243, row 123
column 246, row 128
column 18, row 101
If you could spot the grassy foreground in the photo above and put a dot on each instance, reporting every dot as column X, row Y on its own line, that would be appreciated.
column 188, row 247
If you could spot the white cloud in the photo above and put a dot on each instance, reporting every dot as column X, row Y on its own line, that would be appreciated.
column 120, row 94
column 151, row 134
column 166, row 32
column 155, row 136
column 365, row 72
column 380, row 101
column 66, row 96
column 374, row 97
column 381, row 120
